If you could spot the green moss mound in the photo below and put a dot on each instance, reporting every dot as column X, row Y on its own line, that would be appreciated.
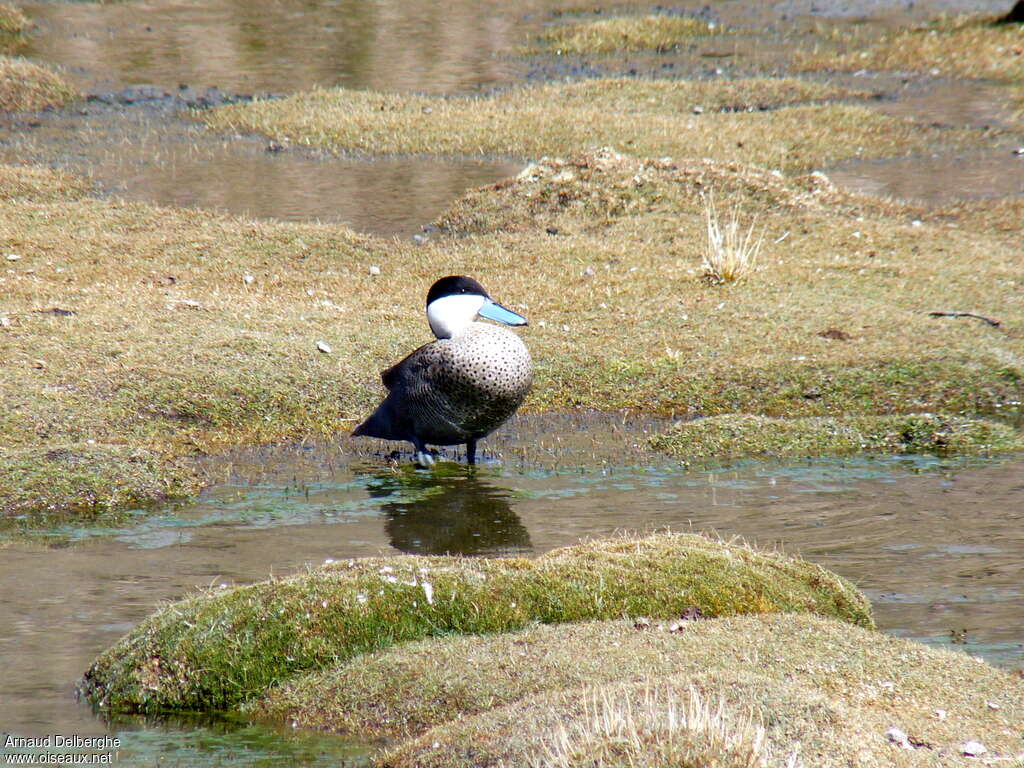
column 217, row 649
column 748, row 691
column 739, row 435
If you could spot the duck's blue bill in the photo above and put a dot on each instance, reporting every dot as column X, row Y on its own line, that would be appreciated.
column 492, row 310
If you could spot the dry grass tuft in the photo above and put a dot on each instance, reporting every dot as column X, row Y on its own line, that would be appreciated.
column 729, row 255
column 625, row 33
column 660, row 730
column 27, row 87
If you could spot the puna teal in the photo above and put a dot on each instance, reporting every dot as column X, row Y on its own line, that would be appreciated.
column 460, row 387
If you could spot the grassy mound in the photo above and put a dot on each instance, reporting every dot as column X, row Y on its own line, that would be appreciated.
column 962, row 46
column 34, row 184
column 547, row 120
column 27, row 87
column 624, row 33
column 741, row 435
column 748, row 691
column 157, row 334
column 592, row 190
column 215, row 650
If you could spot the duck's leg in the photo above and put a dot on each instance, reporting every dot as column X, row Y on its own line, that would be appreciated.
column 471, row 451
column 423, row 458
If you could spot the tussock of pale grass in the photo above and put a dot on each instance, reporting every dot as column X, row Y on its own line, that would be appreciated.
column 625, row 33
column 729, row 254
column 657, row 730
column 28, row 87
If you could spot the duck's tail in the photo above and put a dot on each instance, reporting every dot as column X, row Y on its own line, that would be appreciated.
column 380, row 424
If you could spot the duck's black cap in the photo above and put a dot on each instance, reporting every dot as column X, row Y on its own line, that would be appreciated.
column 453, row 285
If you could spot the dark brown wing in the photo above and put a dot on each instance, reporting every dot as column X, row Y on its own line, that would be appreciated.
column 413, row 363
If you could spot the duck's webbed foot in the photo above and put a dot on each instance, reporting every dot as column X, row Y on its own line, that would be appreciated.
column 424, row 460
column 422, row 457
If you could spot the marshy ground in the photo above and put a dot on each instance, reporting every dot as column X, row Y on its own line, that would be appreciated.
column 137, row 339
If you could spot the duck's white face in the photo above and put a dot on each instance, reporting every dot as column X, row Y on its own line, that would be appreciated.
column 450, row 315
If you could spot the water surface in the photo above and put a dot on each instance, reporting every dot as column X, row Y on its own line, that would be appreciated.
column 938, row 545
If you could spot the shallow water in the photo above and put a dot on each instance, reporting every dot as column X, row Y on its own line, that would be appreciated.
column 938, row 546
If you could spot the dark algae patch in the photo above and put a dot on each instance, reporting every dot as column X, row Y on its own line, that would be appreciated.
column 218, row 649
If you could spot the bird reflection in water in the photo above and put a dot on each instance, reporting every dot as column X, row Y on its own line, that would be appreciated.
column 452, row 510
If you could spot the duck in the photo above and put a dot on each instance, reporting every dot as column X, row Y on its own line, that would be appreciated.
column 463, row 385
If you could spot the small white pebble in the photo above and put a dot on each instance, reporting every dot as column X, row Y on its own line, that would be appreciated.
column 374, row 270
column 915, row 223
column 565, row 327
column 328, row 560
column 13, row 257
column 896, row 736
column 991, row 705
column 940, row 714
column 1019, row 151
column 888, row 685
column 324, row 347
column 5, row 322
column 249, row 279
column 973, row 748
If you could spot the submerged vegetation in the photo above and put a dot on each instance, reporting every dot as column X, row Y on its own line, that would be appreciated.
column 217, row 649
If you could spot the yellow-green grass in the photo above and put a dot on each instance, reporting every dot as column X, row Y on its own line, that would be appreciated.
column 962, row 46
column 647, row 118
column 219, row 648
column 170, row 352
column 624, row 33
column 740, row 435
column 822, row 690
column 27, row 87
